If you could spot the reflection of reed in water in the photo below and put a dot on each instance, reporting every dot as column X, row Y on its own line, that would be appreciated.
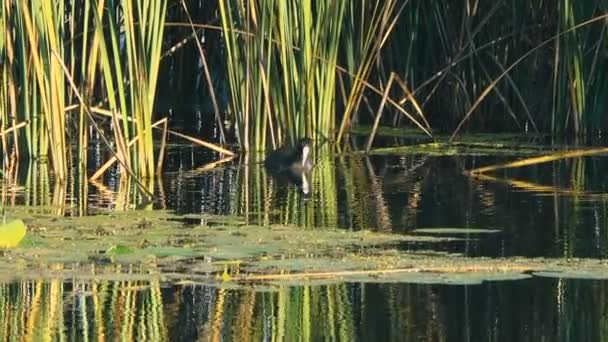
column 85, row 310
column 305, row 198
column 98, row 309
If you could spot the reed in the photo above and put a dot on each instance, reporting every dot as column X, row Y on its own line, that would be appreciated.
column 448, row 57
column 44, row 44
column 38, row 32
column 535, row 66
column 138, row 62
column 299, row 68
column 281, row 59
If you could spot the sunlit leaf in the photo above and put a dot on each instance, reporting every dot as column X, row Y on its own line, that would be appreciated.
column 12, row 233
column 442, row 230
column 119, row 250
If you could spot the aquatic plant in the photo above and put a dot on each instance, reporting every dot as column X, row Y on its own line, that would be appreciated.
column 296, row 68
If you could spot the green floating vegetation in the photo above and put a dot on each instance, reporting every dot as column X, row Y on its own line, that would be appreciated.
column 395, row 132
column 160, row 244
column 471, row 144
column 442, row 230
column 12, row 233
column 468, row 278
column 215, row 220
column 119, row 250
column 460, row 149
column 591, row 273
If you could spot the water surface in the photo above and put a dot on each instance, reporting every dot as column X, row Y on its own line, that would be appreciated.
column 536, row 309
column 552, row 210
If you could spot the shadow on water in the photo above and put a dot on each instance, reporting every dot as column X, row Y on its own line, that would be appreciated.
column 537, row 309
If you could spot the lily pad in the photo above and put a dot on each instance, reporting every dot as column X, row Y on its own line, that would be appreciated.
column 119, row 250
column 170, row 251
column 238, row 254
column 574, row 274
column 442, row 230
column 12, row 233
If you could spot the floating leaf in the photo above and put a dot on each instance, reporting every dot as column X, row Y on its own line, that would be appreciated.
column 574, row 274
column 226, row 275
column 456, row 231
column 119, row 250
column 12, row 233
column 170, row 251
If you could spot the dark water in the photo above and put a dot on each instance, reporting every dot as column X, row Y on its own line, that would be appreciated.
column 536, row 309
column 557, row 209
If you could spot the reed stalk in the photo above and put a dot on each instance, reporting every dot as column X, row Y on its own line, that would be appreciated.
column 282, row 72
column 40, row 32
column 41, row 39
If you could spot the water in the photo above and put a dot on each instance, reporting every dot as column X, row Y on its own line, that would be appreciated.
column 557, row 210
column 537, row 309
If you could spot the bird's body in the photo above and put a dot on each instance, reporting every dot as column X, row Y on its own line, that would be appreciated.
column 295, row 159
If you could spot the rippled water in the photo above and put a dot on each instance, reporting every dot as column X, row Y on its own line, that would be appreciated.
column 537, row 309
column 557, row 209
column 552, row 210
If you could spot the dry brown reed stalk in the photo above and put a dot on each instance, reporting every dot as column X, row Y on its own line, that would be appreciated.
column 541, row 159
column 15, row 127
column 542, row 189
column 203, row 143
column 372, row 135
column 114, row 158
column 389, row 271
column 197, row 141
column 216, row 108
column 210, row 166
column 408, row 97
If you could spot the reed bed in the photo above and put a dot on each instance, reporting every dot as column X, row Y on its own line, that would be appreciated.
column 292, row 69
column 62, row 63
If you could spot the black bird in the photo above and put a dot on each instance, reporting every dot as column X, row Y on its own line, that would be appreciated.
column 292, row 164
column 296, row 159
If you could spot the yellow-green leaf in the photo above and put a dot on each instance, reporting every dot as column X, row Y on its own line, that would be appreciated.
column 12, row 233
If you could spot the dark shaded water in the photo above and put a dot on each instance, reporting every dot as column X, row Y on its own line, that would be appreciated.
column 558, row 209
column 536, row 309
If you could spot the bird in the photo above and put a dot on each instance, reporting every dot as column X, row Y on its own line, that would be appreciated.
column 295, row 159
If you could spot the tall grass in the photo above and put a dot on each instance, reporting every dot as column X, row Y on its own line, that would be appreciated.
column 38, row 32
column 579, row 61
column 137, row 61
column 46, row 44
column 535, row 66
column 300, row 68
column 454, row 57
column 281, row 59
